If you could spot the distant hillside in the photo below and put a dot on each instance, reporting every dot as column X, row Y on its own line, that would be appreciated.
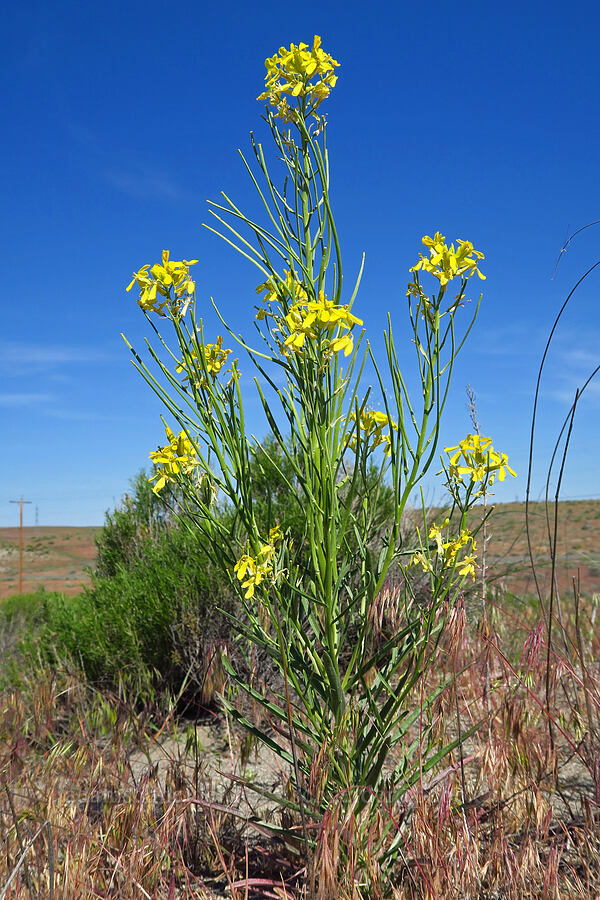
column 56, row 557
column 577, row 548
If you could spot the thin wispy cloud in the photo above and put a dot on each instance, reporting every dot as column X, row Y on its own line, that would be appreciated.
column 578, row 356
column 566, row 395
column 142, row 182
column 38, row 356
column 75, row 415
column 572, row 363
column 516, row 340
column 147, row 182
column 17, row 400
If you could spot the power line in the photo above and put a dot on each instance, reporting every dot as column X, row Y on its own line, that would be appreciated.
column 20, row 501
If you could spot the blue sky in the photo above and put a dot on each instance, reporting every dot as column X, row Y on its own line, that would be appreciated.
column 122, row 119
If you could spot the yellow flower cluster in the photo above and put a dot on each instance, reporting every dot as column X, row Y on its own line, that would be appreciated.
column 215, row 357
column 179, row 456
column 170, row 280
column 446, row 263
column 307, row 319
column 372, row 423
column 275, row 291
column 314, row 319
column 448, row 551
column 253, row 570
column 289, row 74
column 476, row 457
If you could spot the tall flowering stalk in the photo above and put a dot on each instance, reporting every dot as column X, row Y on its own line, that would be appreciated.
column 348, row 702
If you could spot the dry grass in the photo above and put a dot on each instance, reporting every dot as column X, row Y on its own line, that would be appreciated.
column 90, row 806
column 99, row 799
column 519, row 818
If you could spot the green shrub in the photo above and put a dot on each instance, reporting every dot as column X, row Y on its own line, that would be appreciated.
column 150, row 617
column 22, row 612
column 152, row 612
column 142, row 517
column 23, row 619
column 277, row 497
column 127, row 625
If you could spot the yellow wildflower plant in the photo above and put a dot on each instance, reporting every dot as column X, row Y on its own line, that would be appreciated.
column 419, row 559
column 448, row 552
column 276, row 291
column 306, row 73
column 446, row 263
column 177, row 457
column 320, row 319
column 215, row 357
column 168, row 279
column 316, row 613
column 371, row 423
column 253, row 570
column 476, row 458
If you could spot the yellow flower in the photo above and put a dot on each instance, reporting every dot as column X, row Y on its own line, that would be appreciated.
column 448, row 552
column 328, row 313
column 277, row 290
column 467, row 566
column 178, row 456
column 345, row 342
column 419, row 559
column 446, row 263
column 289, row 74
column 301, row 325
column 252, row 571
column 435, row 534
column 170, row 280
column 216, row 357
column 320, row 319
column 502, row 467
column 372, row 423
column 451, row 549
column 476, row 457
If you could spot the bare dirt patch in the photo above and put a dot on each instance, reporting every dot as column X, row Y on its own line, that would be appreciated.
column 577, row 546
column 54, row 557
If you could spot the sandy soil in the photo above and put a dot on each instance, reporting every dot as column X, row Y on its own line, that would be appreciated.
column 53, row 557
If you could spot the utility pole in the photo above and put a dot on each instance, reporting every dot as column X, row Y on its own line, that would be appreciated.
column 20, row 501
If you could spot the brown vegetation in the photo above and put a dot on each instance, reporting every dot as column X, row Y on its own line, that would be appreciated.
column 99, row 798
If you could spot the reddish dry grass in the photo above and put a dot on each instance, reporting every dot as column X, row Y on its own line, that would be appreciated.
column 513, row 815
